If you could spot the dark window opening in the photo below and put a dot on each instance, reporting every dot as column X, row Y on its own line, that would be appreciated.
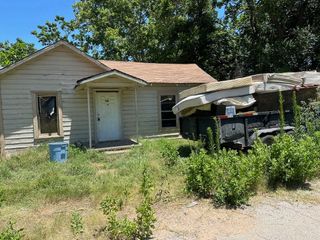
column 48, row 116
column 168, row 118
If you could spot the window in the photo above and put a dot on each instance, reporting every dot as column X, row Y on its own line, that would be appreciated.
column 47, row 118
column 168, row 118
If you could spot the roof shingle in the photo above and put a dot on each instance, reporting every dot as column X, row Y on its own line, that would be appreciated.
column 162, row 72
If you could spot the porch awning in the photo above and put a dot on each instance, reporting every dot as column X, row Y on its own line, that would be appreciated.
column 111, row 73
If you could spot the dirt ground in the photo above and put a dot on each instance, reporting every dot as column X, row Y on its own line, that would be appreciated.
column 282, row 215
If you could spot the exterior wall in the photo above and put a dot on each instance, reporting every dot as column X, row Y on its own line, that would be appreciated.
column 56, row 70
column 148, row 114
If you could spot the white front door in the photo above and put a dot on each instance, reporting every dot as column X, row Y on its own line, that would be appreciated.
column 108, row 116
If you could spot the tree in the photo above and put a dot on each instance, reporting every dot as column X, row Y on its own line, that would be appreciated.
column 13, row 52
column 172, row 31
column 275, row 35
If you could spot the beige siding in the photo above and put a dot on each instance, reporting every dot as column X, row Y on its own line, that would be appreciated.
column 148, row 110
column 57, row 70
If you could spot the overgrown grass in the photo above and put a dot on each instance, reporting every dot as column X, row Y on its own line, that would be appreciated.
column 30, row 178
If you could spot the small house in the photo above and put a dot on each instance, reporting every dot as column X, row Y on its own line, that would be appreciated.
column 61, row 94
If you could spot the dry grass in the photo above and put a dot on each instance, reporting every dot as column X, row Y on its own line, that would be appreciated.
column 41, row 196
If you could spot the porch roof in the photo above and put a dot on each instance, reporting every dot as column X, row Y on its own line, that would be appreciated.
column 111, row 73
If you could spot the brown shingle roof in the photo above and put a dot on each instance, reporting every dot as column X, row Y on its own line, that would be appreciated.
column 162, row 72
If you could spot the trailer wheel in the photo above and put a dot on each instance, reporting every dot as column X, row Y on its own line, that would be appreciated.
column 268, row 140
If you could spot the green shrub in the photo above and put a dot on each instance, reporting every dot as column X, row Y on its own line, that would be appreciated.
column 292, row 162
column 234, row 177
column 310, row 116
column 169, row 152
column 76, row 224
column 11, row 233
column 228, row 177
column 199, row 178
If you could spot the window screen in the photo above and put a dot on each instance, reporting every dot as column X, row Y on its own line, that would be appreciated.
column 47, row 114
column 168, row 118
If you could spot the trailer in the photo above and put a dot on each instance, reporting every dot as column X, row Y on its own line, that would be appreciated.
column 238, row 131
column 255, row 104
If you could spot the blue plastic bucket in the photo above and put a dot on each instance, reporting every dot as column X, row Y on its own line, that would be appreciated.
column 58, row 151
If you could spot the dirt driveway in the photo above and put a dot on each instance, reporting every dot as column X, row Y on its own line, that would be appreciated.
column 284, row 216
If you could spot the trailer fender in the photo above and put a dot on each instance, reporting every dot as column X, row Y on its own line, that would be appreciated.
column 269, row 132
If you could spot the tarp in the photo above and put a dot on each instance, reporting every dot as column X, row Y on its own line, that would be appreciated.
column 203, row 99
column 237, row 92
column 238, row 102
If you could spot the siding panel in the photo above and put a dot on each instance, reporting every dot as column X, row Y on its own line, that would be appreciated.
column 57, row 70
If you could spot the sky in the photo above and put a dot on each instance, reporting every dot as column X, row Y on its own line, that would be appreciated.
column 19, row 17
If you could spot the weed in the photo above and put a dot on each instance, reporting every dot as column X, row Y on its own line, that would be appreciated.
column 139, row 228
column 11, row 233
column 169, row 152
column 77, row 226
column 281, row 112
column 2, row 197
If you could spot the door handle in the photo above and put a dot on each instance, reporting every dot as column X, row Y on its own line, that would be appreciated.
column 98, row 117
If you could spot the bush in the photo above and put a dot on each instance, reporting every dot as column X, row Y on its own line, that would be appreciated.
column 228, row 177
column 234, row 178
column 309, row 117
column 169, row 152
column 293, row 162
column 200, row 169
column 11, row 233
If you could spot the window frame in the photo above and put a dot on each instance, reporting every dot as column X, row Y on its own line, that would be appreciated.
column 36, row 116
column 160, row 110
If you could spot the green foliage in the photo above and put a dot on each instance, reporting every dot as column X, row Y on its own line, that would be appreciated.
column 228, row 177
column 13, row 52
column 217, row 133
column 273, row 35
column 110, row 205
column 2, row 197
column 199, row 179
column 296, row 115
column 139, row 228
column 145, row 214
column 76, row 225
column 310, row 117
column 149, row 31
column 281, row 113
column 235, row 177
column 169, row 152
column 11, row 233
column 292, row 161
column 211, row 143
column 249, row 37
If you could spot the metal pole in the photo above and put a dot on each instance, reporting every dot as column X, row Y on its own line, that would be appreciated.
column 89, row 117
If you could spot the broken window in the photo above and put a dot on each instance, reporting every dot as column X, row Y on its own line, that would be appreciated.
column 168, row 118
column 47, row 107
column 47, row 115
